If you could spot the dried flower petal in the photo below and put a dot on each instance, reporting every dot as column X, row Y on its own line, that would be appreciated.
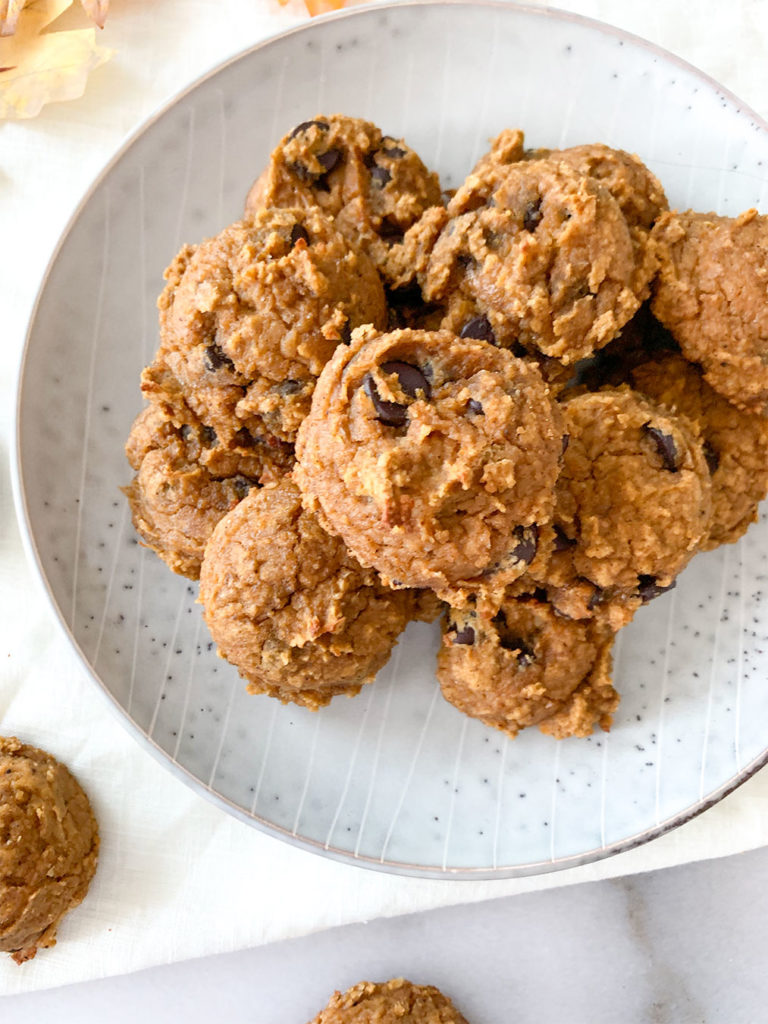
column 323, row 6
column 45, row 67
column 96, row 10
column 9, row 15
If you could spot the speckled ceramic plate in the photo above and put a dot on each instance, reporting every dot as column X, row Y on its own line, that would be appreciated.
column 396, row 778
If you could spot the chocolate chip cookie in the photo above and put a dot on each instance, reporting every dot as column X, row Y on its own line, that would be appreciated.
column 392, row 1002
column 249, row 318
column 186, row 480
column 528, row 666
column 49, row 845
column 288, row 605
column 712, row 294
column 546, row 253
column 633, row 505
column 375, row 187
column 735, row 442
column 433, row 457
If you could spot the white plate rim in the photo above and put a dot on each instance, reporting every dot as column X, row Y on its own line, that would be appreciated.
column 35, row 562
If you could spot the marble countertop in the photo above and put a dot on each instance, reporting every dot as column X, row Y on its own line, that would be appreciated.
column 681, row 946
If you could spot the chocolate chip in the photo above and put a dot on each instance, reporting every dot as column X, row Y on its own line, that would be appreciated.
column 209, row 437
column 597, row 596
column 391, row 148
column 329, row 159
column 380, row 176
column 242, row 485
column 290, row 387
column 665, row 446
column 648, row 588
column 244, row 438
column 508, row 641
column 391, row 414
column 711, row 456
column 465, row 635
column 215, row 358
column 322, row 125
column 410, row 378
column 346, row 333
column 527, row 538
column 532, row 215
column 390, row 231
column 562, row 541
column 478, row 327
column 565, row 442
column 474, row 406
column 298, row 232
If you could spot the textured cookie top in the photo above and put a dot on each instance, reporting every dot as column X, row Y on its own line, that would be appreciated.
column 374, row 186
column 634, row 497
column 528, row 666
column 249, row 318
column 290, row 607
column 49, row 845
column 392, row 1002
column 735, row 442
column 434, row 457
column 712, row 294
column 547, row 253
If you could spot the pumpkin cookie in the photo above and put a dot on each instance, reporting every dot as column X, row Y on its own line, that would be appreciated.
column 528, row 666
column 299, row 618
column 249, row 318
column 712, row 294
column 186, row 480
column 633, row 505
column 433, row 457
column 392, row 1002
column 375, row 187
column 546, row 253
column 49, row 848
column 735, row 442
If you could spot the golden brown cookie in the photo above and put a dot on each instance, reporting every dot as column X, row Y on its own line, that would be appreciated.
column 433, row 457
column 288, row 605
column 49, row 845
column 633, row 505
column 712, row 294
column 546, row 253
column 375, row 187
column 249, row 318
column 638, row 192
column 735, row 442
column 528, row 666
column 392, row 1002
column 186, row 480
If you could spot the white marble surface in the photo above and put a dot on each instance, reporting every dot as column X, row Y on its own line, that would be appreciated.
column 681, row 946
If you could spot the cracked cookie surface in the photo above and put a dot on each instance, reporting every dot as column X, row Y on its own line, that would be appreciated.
column 633, row 505
column 546, row 253
column 391, row 1002
column 528, row 666
column 712, row 293
column 249, row 318
column 49, row 847
column 291, row 608
column 375, row 187
column 433, row 457
column 185, row 481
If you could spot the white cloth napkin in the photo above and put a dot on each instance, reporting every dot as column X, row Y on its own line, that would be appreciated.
column 179, row 878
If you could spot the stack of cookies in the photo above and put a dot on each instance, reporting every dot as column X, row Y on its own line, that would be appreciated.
column 525, row 405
